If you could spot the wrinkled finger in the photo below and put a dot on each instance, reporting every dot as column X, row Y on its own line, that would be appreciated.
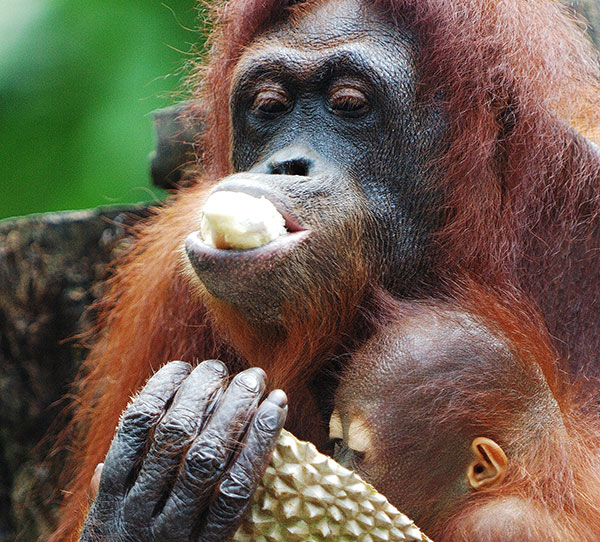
column 173, row 435
column 239, row 484
column 210, row 453
column 136, row 426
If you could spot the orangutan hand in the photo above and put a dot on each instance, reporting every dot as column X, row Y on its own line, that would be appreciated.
column 187, row 456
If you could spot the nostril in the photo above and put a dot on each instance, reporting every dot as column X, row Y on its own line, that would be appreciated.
column 296, row 166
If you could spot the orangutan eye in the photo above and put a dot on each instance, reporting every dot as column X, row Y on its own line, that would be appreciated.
column 271, row 102
column 348, row 101
column 357, row 458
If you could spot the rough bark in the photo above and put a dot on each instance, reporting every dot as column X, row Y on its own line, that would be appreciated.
column 51, row 267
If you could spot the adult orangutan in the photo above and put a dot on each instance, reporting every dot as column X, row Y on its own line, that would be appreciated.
column 411, row 146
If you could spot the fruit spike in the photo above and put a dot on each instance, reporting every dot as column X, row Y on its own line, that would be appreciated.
column 307, row 496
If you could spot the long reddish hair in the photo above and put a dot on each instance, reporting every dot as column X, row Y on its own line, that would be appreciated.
column 507, row 388
column 552, row 488
column 522, row 206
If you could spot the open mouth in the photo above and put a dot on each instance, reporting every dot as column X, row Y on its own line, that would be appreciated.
column 261, row 192
column 243, row 222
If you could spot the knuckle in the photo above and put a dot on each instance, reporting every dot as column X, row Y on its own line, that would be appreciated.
column 145, row 407
column 239, row 484
column 173, row 428
column 206, row 459
column 138, row 418
column 268, row 423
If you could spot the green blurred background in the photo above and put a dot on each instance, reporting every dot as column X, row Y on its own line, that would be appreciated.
column 78, row 81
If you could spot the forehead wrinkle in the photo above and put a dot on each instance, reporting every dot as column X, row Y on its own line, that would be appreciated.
column 307, row 39
column 334, row 20
column 276, row 57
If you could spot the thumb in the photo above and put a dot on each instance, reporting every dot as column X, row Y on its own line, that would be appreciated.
column 95, row 481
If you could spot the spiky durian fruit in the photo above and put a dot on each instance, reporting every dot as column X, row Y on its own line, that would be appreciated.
column 307, row 496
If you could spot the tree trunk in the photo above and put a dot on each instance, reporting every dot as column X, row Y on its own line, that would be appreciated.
column 51, row 268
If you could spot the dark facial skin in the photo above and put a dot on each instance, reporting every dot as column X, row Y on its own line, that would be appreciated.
column 326, row 119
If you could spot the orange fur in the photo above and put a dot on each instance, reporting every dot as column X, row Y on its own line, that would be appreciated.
column 522, row 213
column 552, row 488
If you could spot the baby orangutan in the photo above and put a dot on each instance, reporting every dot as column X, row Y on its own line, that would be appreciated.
column 458, row 419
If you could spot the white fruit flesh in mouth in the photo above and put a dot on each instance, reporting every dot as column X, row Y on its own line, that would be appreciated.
column 238, row 221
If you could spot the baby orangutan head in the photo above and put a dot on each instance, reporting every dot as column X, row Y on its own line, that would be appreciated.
column 441, row 415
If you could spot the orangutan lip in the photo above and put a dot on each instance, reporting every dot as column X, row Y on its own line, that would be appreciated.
column 292, row 223
column 204, row 257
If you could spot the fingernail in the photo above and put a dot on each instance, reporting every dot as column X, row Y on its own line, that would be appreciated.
column 217, row 366
column 278, row 397
column 250, row 379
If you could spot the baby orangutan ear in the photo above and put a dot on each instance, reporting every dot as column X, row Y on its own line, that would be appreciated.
column 488, row 468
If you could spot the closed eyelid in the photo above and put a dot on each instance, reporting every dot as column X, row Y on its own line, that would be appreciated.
column 290, row 67
column 359, row 435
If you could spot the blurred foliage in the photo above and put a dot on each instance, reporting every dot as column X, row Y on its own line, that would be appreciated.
column 78, row 81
